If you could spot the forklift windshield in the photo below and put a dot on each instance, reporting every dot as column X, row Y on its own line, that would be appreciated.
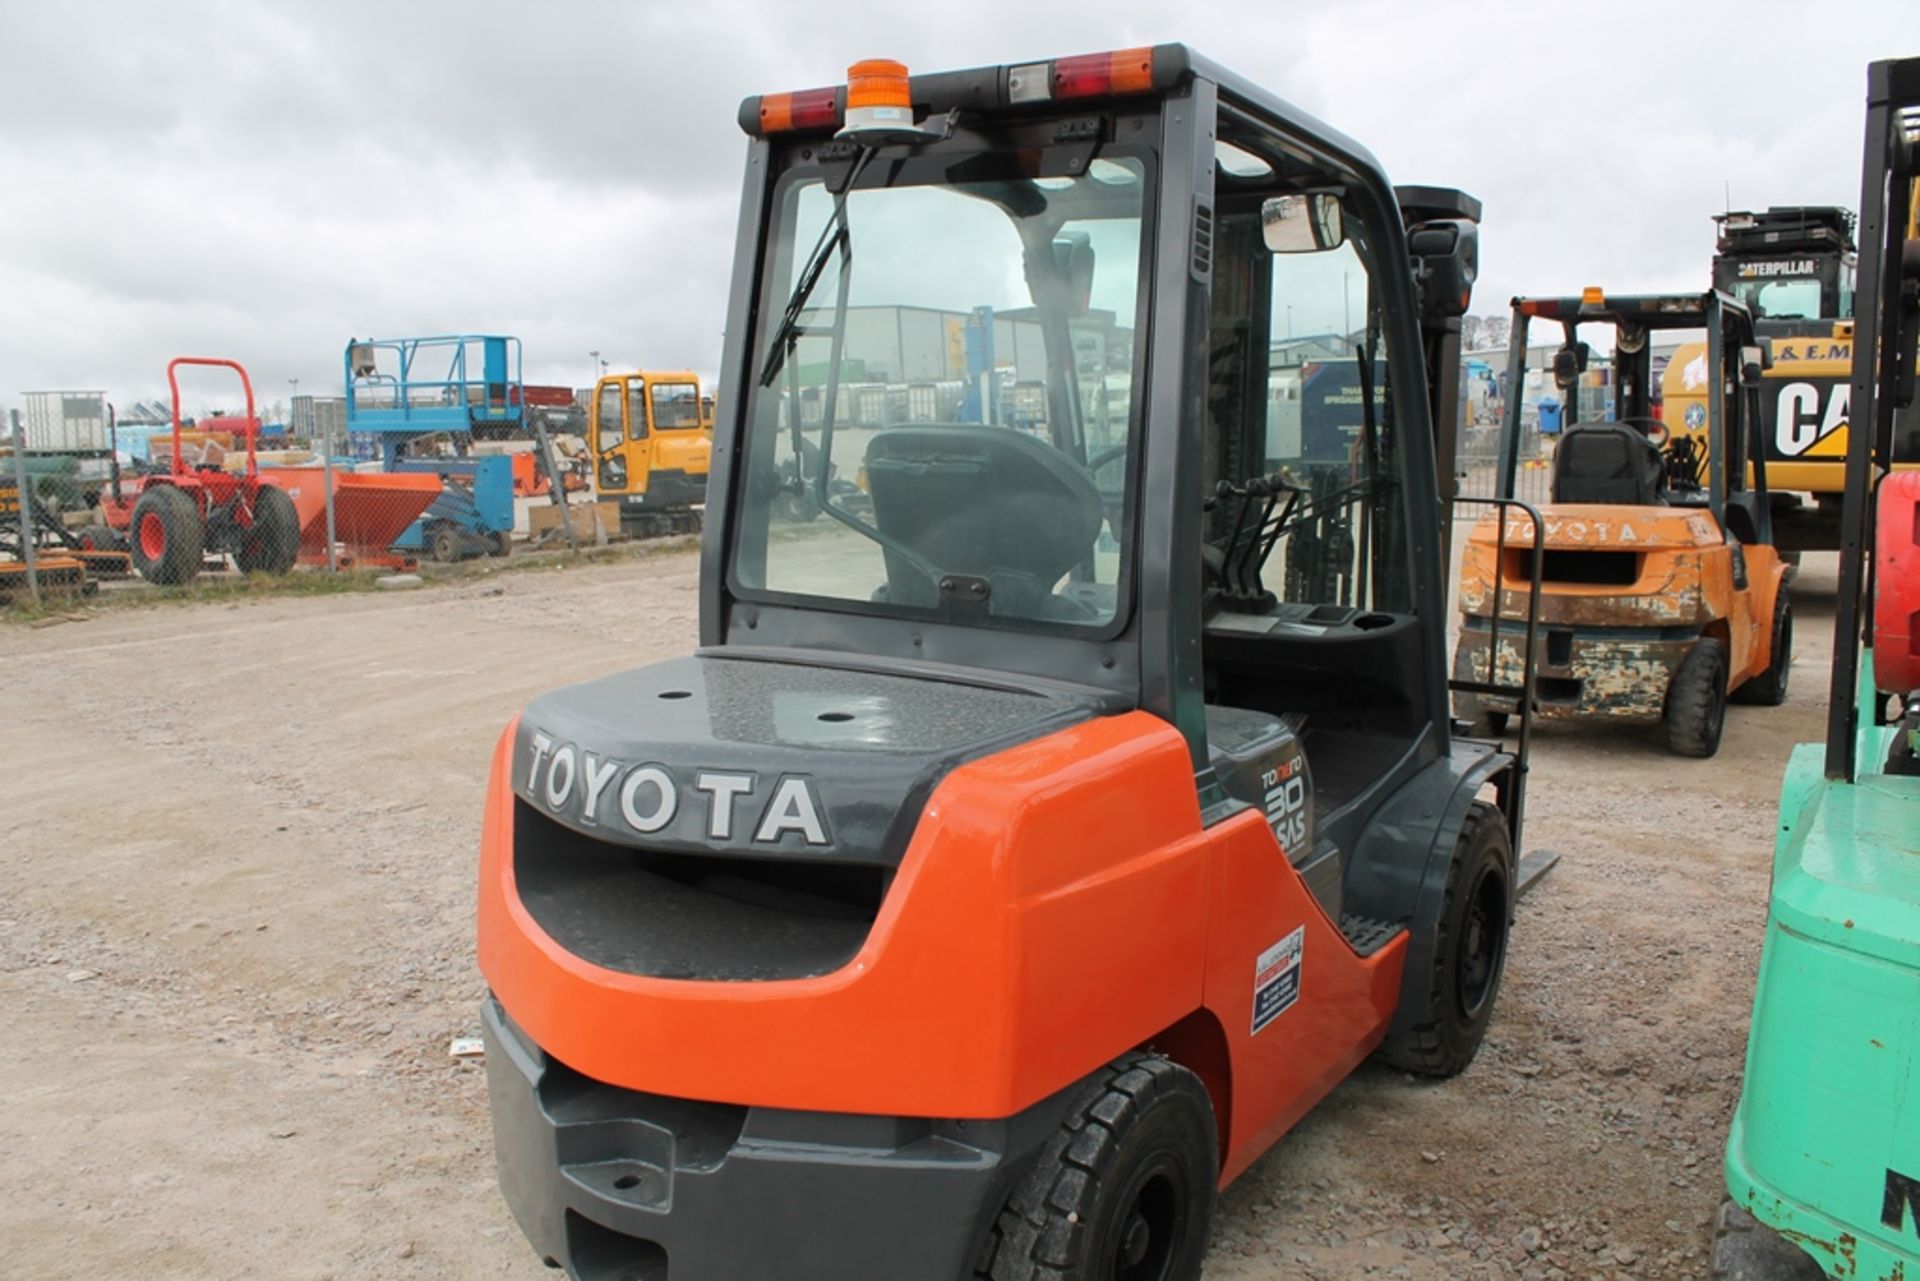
column 941, row 418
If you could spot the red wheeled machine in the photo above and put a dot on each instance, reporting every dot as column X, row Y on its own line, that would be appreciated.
column 173, row 519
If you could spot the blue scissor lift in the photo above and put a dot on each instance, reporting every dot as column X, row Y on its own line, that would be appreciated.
column 400, row 391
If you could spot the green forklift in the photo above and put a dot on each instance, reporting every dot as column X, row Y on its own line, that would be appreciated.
column 1823, row 1161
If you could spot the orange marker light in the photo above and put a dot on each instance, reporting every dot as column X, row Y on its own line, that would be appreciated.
column 1593, row 296
column 879, row 100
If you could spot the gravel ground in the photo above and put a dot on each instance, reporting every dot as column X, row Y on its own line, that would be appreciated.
column 235, row 940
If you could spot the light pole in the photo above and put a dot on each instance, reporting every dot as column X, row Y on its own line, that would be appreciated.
column 598, row 365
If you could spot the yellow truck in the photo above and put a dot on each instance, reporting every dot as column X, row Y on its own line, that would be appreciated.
column 652, row 437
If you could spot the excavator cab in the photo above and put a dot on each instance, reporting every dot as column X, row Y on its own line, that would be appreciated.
column 651, row 443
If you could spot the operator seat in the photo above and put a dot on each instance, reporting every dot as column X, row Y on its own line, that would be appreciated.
column 986, row 502
column 1607, row 463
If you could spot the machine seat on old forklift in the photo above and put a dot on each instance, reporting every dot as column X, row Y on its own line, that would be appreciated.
column 1607, row 463
column 986, row 502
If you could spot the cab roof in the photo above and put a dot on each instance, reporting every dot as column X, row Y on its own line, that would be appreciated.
column 1651, row 311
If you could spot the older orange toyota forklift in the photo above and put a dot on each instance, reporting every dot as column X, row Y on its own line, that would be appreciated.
column 1028, row 847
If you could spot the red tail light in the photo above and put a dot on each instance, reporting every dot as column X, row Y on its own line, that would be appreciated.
column 803, row 109
column 1101, row 75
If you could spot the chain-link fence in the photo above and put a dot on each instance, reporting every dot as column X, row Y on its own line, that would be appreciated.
column 53, row 545
column 137, row 506
column 1479, row 463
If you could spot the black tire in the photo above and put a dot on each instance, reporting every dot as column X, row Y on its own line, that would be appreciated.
column 1469, row 953
column 443, row 542
column 1745, row 1250
column 166, row 536
column 1697, row 699
column 1769, row 688
column 271, row 543
column 100, row 538
column 503, row 543
column 1124, row 1191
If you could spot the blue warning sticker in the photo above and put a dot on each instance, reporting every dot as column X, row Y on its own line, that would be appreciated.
column 1276, row 978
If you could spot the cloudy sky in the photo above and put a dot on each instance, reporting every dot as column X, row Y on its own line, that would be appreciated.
column 264, row 181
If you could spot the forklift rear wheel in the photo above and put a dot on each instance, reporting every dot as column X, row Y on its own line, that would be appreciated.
column 1124, row 1190
column 1769, row 688
column 270, row 544
column 1469, row 953
column 1697, row 699
column 167, row 536
column 1746, row 1250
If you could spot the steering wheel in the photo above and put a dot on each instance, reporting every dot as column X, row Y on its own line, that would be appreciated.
column 1653, row 429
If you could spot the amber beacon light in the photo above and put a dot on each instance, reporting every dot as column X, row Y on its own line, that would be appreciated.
column 879, row 103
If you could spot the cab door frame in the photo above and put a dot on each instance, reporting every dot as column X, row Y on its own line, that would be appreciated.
column 633, row 451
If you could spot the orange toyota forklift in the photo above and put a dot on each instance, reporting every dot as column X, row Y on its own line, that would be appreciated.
column 1029, row 846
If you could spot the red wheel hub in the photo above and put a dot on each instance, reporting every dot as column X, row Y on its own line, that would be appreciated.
column 153, row 536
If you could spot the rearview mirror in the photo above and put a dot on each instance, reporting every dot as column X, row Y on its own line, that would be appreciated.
column 1073, row 260
column 1302, row 224
column 1753, row 363
column 1446, row 262
column 1568, row 364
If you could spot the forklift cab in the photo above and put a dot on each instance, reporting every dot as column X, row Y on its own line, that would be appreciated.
column 1223, row 506
column 649, row 437
column 1615, row 450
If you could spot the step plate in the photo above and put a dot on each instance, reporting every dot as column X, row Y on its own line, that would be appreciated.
column 1367, row 936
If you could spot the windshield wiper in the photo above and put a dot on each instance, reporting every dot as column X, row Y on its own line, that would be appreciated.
column 834, row 236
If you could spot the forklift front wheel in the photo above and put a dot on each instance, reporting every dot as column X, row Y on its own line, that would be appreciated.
column 1469, row 954
column 1769, row 688
column 1124, row 1190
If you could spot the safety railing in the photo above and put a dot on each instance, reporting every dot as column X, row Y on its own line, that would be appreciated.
column 1515, row 519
